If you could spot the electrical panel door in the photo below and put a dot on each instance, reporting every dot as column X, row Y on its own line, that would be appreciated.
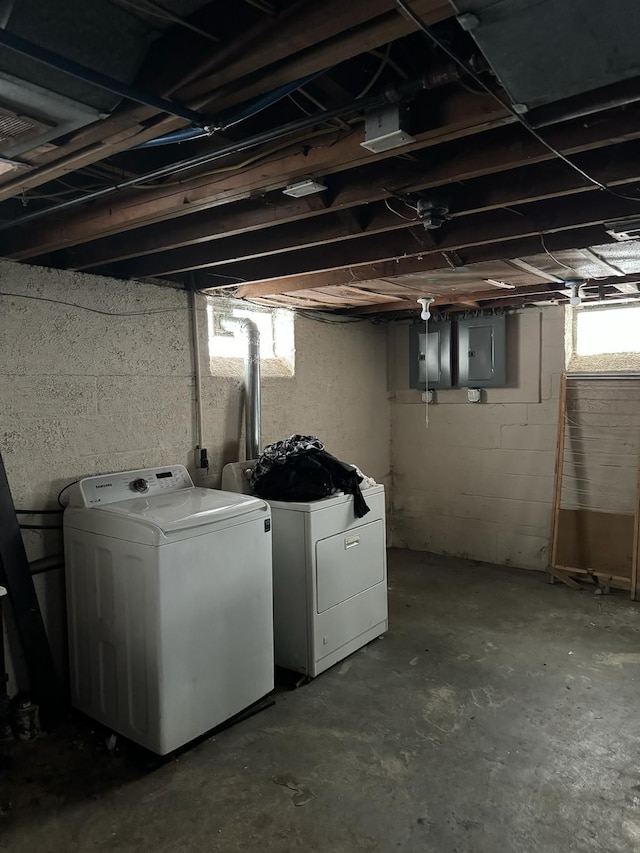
column 434, row 356
column 482, row 352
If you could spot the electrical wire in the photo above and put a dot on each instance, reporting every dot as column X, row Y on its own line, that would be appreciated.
column 407, row 218
column 220, row 275
column 376, row 76
column 417, row 20
column 120, row 313
column 262, row 7
column 302, row 109
column 311, row 315
column 155, row 10
column 38, row 511
column 94, row 310
column 473, row 91
column 392, row 64
column 170, row 169
column 249, row 161
column 63, row 490
column 560, row 264
column 312, row 99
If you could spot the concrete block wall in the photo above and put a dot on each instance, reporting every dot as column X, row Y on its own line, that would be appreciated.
column 478, row 481
column 111, row 388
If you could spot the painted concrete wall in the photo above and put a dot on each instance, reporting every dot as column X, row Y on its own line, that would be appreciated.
column 478, row 481
column 85, row 392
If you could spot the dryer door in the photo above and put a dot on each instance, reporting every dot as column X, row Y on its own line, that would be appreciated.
column 348, row 563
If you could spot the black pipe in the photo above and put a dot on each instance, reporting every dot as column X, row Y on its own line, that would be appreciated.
column 39, row 511
column 95, row 78
column 16, row 577
column 391, row 95
column 46, row 564
column 5, row 727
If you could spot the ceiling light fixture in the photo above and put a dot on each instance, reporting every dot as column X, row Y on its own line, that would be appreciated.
column 502, row 284
column 432, row 213
column 576, row 296
column 302, row 188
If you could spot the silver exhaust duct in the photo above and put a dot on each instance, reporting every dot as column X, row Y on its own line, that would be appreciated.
column 252, row 417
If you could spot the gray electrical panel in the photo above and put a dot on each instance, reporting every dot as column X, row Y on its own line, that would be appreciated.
column 482, row 352
column 434, row 356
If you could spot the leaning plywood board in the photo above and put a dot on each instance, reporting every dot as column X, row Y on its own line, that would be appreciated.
column 588, row 539
column 596, row 517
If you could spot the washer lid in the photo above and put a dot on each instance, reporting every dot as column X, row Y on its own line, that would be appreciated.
column 183, row 509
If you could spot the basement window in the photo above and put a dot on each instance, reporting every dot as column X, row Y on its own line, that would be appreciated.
column 227, row 345
column 603, row 338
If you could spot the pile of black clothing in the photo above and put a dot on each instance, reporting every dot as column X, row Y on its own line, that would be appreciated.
column 300, row 469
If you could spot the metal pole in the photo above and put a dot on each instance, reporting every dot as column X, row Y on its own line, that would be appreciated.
column 252, row 389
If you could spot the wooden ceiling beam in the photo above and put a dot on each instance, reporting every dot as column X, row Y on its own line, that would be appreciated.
column 462, row 114
column 504, row 148
column 528, row 289
column 302, row 26
column 128, row 126
column 521, row 187
column 325, row 55
column 497, row 226
column 446, row 302
column 570, row 239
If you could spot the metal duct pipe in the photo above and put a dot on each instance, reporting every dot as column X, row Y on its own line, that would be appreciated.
column 252, row 418
column 95, row 78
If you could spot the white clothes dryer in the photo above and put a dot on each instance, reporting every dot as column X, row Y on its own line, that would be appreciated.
column 329, row 575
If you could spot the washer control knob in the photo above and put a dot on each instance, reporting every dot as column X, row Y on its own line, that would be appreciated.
column 140, row 485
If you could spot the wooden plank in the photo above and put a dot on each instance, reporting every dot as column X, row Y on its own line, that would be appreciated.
column 559, row 470
column 484, row 228
column 462, row 115
column 502, row 149
column 125, row 128
column 592, row 540
column 307, row 233
column 565, row 578
column 407, row 266
column 455, row 162
column 301, row 27
column 617, row 581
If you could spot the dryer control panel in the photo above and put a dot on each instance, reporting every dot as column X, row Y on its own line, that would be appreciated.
column 110, row 488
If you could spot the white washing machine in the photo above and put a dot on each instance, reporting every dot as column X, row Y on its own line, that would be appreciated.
column 169, row 599
column 329, row 575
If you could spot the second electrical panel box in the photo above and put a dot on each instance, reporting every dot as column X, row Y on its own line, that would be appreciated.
column 482, row 352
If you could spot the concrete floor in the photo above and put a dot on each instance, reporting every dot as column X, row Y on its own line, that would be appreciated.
column 499, row 714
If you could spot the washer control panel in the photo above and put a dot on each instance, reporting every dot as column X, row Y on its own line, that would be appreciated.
column 110, row 488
